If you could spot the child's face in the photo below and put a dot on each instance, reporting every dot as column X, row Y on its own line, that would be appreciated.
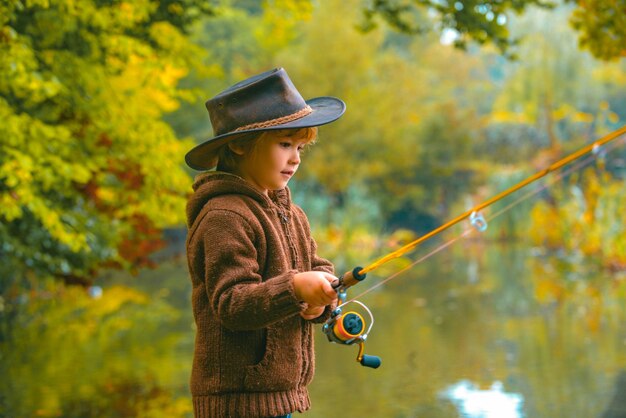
column 274, row 161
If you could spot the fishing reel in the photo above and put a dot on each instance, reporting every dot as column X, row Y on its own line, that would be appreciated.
column 350, row 327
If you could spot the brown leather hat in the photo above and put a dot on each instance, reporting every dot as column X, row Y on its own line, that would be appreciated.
column 267, row 101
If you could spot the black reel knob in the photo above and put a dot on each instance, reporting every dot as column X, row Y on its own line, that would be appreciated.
column 352, row 323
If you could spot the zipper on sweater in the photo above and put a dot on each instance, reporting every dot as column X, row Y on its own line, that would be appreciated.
column 287, row 229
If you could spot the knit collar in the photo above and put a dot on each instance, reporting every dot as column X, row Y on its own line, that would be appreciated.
column 215, row 183
column 281, row 198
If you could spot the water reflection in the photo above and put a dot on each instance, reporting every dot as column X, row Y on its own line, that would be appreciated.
column 473, row 402
column 617, row 406
column 551, row 332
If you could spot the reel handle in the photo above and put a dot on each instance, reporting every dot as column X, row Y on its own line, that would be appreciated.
column 372, row 362
column 349, row 278
column 367, row 360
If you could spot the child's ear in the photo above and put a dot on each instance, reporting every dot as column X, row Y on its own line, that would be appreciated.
column 236, row 148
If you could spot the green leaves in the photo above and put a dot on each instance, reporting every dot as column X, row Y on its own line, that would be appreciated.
column 458, row 21
column 600, row 23
column 84, row 153
column 602, row 27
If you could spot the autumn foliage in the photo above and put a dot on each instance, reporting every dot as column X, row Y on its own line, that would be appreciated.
column 89, row 172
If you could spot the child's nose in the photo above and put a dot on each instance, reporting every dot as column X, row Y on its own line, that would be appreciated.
column 295, row 157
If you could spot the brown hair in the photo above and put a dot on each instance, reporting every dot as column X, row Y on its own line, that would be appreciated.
column 228, row 160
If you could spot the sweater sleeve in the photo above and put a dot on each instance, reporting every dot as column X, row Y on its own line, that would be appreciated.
column 237, row 294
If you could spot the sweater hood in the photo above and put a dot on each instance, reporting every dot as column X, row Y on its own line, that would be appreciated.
column 209, row 185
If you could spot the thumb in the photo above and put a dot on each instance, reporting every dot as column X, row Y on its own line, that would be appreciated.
column 329, row 291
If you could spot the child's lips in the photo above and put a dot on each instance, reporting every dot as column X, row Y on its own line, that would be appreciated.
column 288, row 172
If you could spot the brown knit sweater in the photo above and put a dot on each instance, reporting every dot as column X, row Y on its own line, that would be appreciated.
column 253, row 352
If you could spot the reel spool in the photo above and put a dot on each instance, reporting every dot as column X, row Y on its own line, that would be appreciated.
column 349, row 328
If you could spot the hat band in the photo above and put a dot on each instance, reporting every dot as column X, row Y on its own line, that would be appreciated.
column 278, row 121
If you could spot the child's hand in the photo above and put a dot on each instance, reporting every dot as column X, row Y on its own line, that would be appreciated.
column 313, row 287
column 312, row 312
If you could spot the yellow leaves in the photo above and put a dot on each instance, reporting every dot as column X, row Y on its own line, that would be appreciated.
column 143, row 81
column 504, row 116
column 114, row 17
column 582, row 117
column 141, row 88
column 17, row 172
column 564, row 111
column 582, row 301
column 414, row 118
column 545, row 230
column 18, row 73
column 613, row 117
column 604, row 105
column 161, row 405
column 586, row 220
column 114, row 298
column 611, row 73
column 169, row 38
column 107, row 195
column 128, row 14
column 59, row 230
column 28, row 173
column 25, row 196
column 280, row 19
column 146, row 85
column 345, row 246
column 9, row 210
column 548, row 287
column 170, row 75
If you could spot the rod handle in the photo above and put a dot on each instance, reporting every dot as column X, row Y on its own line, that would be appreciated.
column 349, row 278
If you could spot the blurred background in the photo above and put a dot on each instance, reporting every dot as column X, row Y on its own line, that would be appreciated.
column 448, row 104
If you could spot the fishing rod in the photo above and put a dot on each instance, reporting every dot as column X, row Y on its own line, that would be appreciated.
column 349, row 328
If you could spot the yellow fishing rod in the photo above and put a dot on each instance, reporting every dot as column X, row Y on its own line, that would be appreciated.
column 348, row 280
column 349, row 328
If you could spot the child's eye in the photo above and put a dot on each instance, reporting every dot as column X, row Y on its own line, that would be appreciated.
column 285, row 144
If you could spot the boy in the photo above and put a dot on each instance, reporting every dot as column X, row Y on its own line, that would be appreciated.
column 257, row 280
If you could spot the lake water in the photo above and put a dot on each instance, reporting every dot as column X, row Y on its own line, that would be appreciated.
column 478, row 331
column 484, row 331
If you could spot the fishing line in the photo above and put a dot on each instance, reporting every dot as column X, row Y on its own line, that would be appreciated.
column 357, row 275
column 581, row 164
column 350, row 327
column 418, row 261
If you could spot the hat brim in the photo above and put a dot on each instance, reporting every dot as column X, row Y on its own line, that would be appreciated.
column 325, row 110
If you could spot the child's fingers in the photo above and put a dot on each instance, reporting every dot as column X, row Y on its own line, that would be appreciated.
column 308, row 317
column 323, row 296
column 328, row 290
column 315, row 288
column 331, row 278
column 329, row 293
column 312, row 312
